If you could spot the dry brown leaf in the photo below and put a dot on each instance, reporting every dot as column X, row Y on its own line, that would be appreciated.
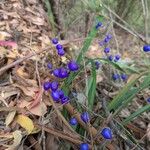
column 10, row 117
column 39, row 109
column 17, row 140
column 29, row 91
column 24, row 104
column 35, row 20
column 3, row 35
column 20, row 72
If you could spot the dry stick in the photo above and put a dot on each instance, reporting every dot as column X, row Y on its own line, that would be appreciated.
column 62, row 117
column 34, row 143
column 59, row 134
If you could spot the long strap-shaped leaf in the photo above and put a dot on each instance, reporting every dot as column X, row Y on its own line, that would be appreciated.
column 136, row 114
column 132, row 93
column 124, row 94
column 84, row 49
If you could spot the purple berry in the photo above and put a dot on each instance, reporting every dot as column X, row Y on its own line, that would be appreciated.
column 107, row 133
column 56, row 72
column 61, row 52
column 63, row 73
column 110, row 57
column 85, row 117
column 61, row 94
column 115, row 76
column 73, row 66
column 148, row 100
column 65, row 100
column 59, row 46
column 99, row 24
column 73, row 121
column 117, row 57
column 54, row 85
column 101, row 43
column 109, row 36
column 124, row 77
column 146, row 48
column 97, row 64
column 54, row 40
column 47, row 86
column 55, row 96
column 49, row 66
column 84, row 146
column 107, row 50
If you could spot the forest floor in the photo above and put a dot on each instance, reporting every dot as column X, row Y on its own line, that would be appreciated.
column 26, row 29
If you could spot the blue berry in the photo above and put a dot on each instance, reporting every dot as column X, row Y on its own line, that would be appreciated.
column 101, row 43
column 99, row 24
column 61, row 94
column 97, row 64
column 124, row 77
column 148, row 100
column 107, row 133
column 63, row 73
column 106, row 40
column 73, row 66
column 107, row 50
column 117, row 57
column 73, row 121
column 47, row 86
column 65, row 100
column 59, row 46
column 61, row 52
column 110, row 57
column 54, row 40
column 56, row 72
column 109, row 36
column 146, row 48
column 85, row 117
column 55, row 96
column 84, row 146
column 49, row 66
column 115, row 76
column 54, row 85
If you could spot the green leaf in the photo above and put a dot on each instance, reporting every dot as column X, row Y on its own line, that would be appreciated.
column 92, row 87
column 136, row 114
column 125, row 95
column 84, row 49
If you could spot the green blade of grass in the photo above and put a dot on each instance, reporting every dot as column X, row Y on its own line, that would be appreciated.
column 84, row 49
column 50, row 14
column 88, row 40
column 124, row 93
column 91, row 87
column 136, row 114
column 131, row 94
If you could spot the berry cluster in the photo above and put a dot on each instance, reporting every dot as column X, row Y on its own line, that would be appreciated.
column 59, row 47
column 107, row 49
column 117, row 77
column 58, row 95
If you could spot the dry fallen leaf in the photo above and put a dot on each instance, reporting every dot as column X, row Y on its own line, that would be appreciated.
column 25, row 122
column 17, row 140
column 39, row 109
column 10, row 117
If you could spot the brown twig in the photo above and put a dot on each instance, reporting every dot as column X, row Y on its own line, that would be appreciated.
column 34, row 143
column 60, row 134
